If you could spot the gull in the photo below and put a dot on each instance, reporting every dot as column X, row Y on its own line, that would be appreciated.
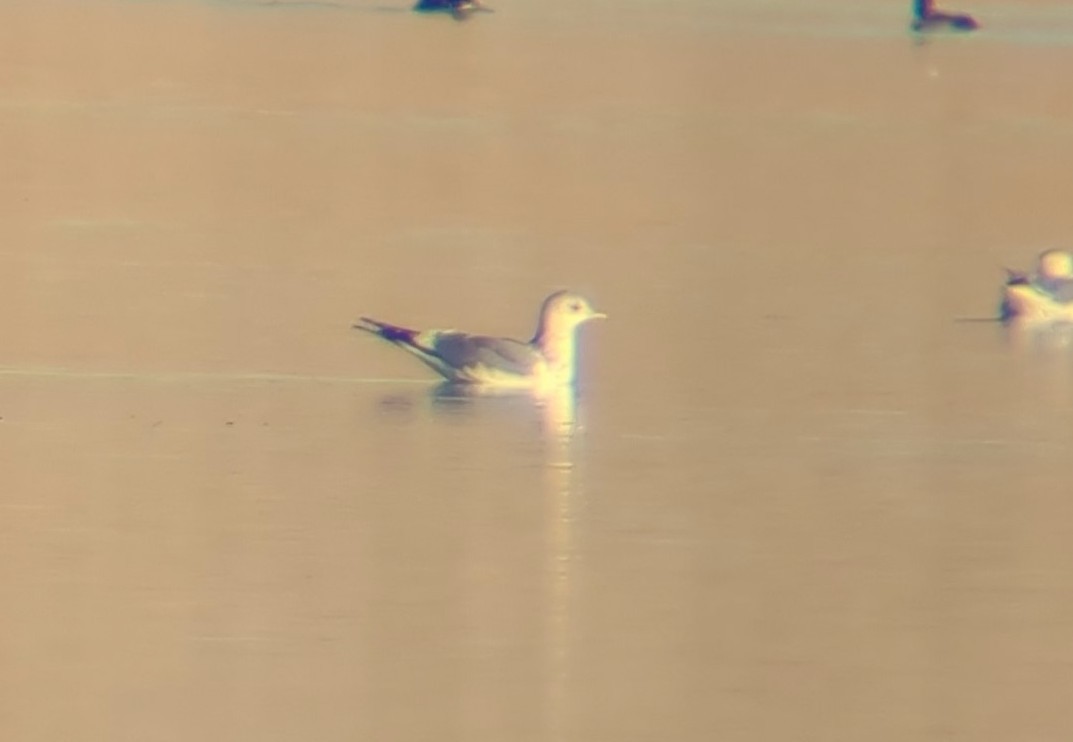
column 1046, row 295
column 546, row 361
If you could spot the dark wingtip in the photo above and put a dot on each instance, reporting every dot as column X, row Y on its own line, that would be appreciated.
column 1016, row 277
column 392, row 333
column 1006, row 308
column 1006, row 311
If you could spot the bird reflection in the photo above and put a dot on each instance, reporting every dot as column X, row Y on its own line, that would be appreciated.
column 556, row 407
column 1037, row 337
column 557, row 411
column 1046, row 353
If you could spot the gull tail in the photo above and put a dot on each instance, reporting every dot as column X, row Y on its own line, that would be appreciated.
column 415, row 342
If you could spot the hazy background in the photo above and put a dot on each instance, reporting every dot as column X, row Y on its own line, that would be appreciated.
column 796, row 499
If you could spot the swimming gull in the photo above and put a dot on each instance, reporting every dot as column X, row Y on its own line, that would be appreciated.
column 548, row 360
column 1043, row 296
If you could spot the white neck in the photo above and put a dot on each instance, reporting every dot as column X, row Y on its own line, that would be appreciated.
column 557, row 345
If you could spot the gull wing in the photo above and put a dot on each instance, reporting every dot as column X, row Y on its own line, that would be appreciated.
column 477, row 354
column 458, row 356
column 1060, row 289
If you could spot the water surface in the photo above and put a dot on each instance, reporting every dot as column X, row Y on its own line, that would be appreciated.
column 794, row 498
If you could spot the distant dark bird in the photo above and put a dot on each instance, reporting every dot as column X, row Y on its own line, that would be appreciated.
column 927, row 18
column 460, row 9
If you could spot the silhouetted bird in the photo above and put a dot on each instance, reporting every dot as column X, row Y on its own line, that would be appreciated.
column 927, row 18
column 460, row 9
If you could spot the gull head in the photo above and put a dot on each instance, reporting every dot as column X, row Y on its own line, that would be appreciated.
column 1055, row 264
column 563, row 311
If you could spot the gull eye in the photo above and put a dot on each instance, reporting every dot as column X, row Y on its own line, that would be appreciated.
column 575, row 306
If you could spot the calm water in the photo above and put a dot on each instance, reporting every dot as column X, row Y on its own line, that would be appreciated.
column 796, row 497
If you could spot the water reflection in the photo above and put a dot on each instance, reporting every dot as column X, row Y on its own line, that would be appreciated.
column 1040, row 337
column 515, row 430
column 557, row 408
column 1047, row 351
column 557, row 413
